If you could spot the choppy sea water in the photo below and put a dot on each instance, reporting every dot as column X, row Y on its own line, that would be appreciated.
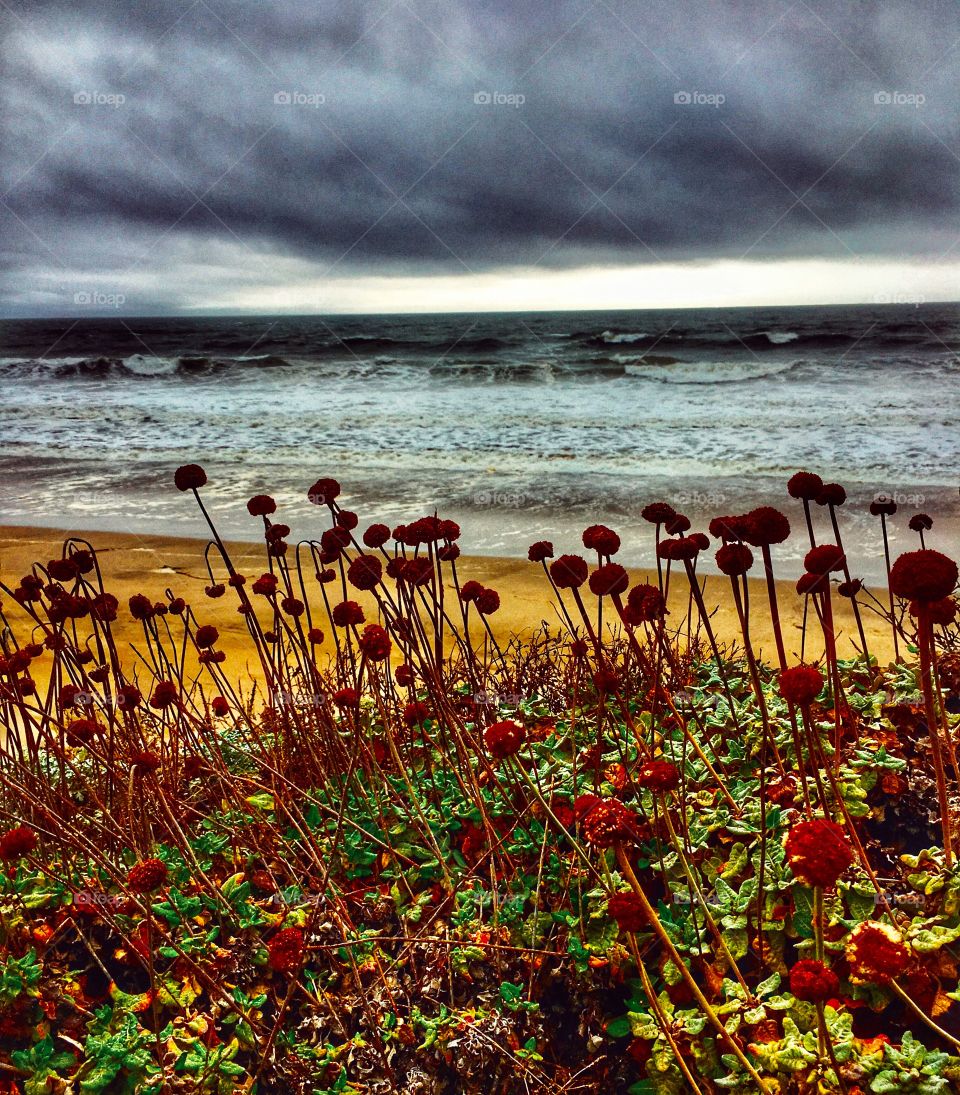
column 519, row 426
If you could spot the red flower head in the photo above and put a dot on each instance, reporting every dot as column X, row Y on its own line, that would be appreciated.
column 734, row 559
column 62, row 570
column 206, row 636
column 487, row 602
column 683, row 549
column 346, row 519
column 415, row 572
column 764, row 526
column 470, row 591
column 818, row 851
column 824, row 559
column 216, row 590
column 569, row 571
column 189, row 477
column 347, row 613
column 813, row 981
column 375, row 643
column 147, row 875
column 449, row 530
column 601, row 539
column 701, row 540
column 403, row 675
column 644, row 604
column 608, row 822
column 324, row 492
column 658, row 775
column 540, row 551
column 333, row 541
column 415, row 713
column 677, row 524
column 503, row 739
column 801, row 684
column 920, row 522
column 164, row 695
column 923, row 576
column 261, row 505
column 851, row 588
column 658, row 513
column 104, row 607
column 448, row 553
column 293, row 606
column 941, row 612
column 875, row 953
column 346, row 697
column 220, row 706
column 285, row 950
column 16, row 843
column 804, row 485
column 609, row 580
column 365, row 572
column 266, row 585
column 315, row 636
column 141, row 607
column 812, row 583
column 129, row 697
column 606, row 680
column 627, row 910
column 80, row 731
column 376, row 536
column 883, row 506
column 831, row 494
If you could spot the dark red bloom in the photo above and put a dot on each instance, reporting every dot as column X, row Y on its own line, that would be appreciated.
column 16, row 843
column 569, row 571
column 851, row 588
column 677, row 524
column 609, row 580
column 540, row 551
column 293, row 606
column 216, row 590
column 415, row 572
column 606, row 680
column 831, row 494
column 141, row 607
column 347, row 613
column 645, row 603
column 128, row 697
column 415, row 713
column 818, row 851
column 220, row 706
column 324, row 492
column 920, row 522
column 376, row 536
column 941, row 612
column 189, row 477
column 658, row 513
column 812, row 583
column 801, row 684
column 261, row 505
column 804, row 485
column 62, row 570
column 764, row 526
column 683, row 549
column 365, row 572
column 813, row 981
column 701, row 540
column 883, row 505
column 470, row 591
column 728, row 527
column 923, row 576
column 627, row 909
column 346, row 519
column 266, row 585
column 164, row 695
column 601, row 539
column 487, row 602
column 346, row 697
column 734, row 559
column 285, row 950
column 403, row 675
column 875, row 953
column 206, row 636
column 147, row 875
column 658, row 775
column 315, row 636
column 177, row 606
column 80, row 731
column 104, row 607
column 448, row 553
column 333, row 541
column 503, row 739
column 375, row 643
column 608, row 822
column 824, row 559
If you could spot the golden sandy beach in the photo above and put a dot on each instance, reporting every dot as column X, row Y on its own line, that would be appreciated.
column 152, row 564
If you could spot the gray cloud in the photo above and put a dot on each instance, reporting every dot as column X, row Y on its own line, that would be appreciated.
column 646, row 131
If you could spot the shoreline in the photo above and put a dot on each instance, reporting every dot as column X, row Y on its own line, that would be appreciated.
column 152, row 564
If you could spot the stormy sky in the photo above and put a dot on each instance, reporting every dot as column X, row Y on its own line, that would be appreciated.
column 301, row 155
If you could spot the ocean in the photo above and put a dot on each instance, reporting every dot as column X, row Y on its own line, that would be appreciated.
column 520, row 426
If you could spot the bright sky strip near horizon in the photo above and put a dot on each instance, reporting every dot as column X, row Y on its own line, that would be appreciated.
column 413, row 155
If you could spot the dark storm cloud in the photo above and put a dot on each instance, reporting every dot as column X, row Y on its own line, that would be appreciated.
column 635, row 132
